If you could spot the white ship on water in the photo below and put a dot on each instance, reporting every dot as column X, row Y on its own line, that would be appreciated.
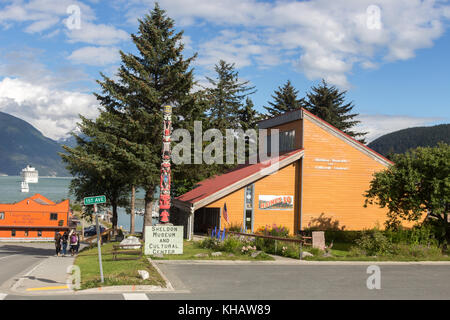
column 29, row 175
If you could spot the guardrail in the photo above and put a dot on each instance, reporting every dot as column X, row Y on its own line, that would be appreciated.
column 107, row 233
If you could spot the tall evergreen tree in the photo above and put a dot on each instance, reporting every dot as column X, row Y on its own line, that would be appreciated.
column 157, row 75
column 328, row 103
column 248, row 116
column 285, row 99
column 97, row 163
column 226, row 97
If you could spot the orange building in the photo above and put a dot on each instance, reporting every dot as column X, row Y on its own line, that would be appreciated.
column 34, row 218
column 318, row 180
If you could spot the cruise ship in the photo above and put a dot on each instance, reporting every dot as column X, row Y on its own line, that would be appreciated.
column 30, row 175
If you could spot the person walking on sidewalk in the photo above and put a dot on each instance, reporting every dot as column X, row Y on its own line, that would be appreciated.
column 73, row 242
column 65, row 239
column 57, row 243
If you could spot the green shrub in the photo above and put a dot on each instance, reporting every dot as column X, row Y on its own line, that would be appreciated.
column 424, row 235
column 235, row 227
column 416, row 250
column 342, row 236
column 210, row 243
column 232, row 245
column 374, row 242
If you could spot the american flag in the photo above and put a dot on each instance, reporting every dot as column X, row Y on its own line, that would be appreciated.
column 225, row 212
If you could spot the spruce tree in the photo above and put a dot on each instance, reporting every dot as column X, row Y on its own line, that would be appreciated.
column 226, row 97
column 328, row 103
column 285, row 99
column 97, row 163
column 156, row 76
column 225, row 100
column 248, row 116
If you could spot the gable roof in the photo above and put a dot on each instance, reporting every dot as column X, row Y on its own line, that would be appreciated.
column 302, row 113
column 214, row 188
column 342, row 135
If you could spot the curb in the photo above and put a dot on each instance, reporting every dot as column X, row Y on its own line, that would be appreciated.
column 300, row 262
column 168, row 284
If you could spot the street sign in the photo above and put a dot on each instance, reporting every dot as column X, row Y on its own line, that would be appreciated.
column 94, row 200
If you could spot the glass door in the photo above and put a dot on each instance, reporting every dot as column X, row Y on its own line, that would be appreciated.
column 248, row 208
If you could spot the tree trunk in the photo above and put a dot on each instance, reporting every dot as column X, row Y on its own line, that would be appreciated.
column 148, row 210
column 132, row 214
column 114, row 216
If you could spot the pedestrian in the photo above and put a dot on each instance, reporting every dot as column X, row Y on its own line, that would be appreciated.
column 57, row 243
column 73, row 242
column 65, row 239
column 78, row 244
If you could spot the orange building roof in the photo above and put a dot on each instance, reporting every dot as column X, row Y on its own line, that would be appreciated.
column 36, row 203
column 233, row 179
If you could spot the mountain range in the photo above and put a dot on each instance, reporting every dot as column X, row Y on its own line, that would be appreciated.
column 405, row 139
column 21, row 144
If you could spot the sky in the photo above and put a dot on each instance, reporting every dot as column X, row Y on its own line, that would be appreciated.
column 390, row 56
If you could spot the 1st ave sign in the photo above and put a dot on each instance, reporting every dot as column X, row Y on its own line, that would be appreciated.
column 94, row 200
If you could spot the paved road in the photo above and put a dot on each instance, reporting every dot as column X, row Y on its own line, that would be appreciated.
column 281, row 282
column 18, row 258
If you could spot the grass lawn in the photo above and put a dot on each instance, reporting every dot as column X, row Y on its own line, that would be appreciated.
column 120, row 272
column 191, row 249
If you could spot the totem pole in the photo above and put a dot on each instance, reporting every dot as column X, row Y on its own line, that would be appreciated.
column 164, row 197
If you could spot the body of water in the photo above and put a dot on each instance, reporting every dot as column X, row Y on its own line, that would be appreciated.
column 57, row 189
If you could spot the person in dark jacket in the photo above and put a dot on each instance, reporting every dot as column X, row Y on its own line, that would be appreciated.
column 64, row 240
column 57, row 243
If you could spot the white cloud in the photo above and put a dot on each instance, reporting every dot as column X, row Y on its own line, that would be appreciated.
column 325, row 38
column 42, row 15
column 380, row 124
column 52, row 111
column 95, row 56
column 99, row 34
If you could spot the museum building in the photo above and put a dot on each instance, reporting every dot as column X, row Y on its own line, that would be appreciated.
column 33, row 219
column 317, row 180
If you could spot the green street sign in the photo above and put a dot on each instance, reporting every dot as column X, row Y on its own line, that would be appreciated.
column 94, row 200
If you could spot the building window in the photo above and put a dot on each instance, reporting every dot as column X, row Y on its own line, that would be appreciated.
column 2, row 215
column 248, row 211
column 39, row 233
column 26, row 233
column 286, row 141
column 13, row 233
column 60, row 223
column 53, row 216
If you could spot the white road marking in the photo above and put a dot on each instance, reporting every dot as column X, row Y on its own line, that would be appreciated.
column 8, row 256
column 2, row 296
column 135, row 296
column 22, row 278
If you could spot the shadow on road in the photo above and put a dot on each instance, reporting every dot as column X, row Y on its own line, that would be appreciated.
column 27, row 250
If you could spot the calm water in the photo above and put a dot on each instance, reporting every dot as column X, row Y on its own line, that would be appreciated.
column 56, row 189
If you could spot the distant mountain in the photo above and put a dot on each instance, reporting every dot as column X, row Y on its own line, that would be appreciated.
column 403, row 140
column 22, row 144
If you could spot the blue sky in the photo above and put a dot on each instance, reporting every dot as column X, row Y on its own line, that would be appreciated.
column 390, row 55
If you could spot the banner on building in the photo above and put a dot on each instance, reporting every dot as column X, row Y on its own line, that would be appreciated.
column 269, row 202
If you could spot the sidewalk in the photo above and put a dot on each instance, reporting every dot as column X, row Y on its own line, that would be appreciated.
column 49, row 275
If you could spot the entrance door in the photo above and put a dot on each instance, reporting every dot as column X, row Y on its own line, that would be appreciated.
column 206, row 218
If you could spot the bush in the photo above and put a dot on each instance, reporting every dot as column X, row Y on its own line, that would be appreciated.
column 417, row 250
column 424, row 235
column 276, row 231
column 373, row 242
column 232, row 245
column 235, row 227
column 210, row 243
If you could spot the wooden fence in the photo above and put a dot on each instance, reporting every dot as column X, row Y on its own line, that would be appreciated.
column 302, row 240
